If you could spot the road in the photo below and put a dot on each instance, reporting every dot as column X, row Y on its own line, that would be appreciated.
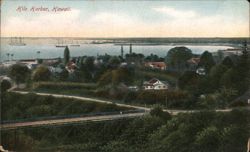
column 171, row 111
column 60, row 121
column 69, row 120
column 85, row 99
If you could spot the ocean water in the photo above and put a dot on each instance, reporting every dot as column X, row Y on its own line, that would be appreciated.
column 47, row 49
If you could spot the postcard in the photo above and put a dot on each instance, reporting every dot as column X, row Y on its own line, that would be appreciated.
column 125, row 76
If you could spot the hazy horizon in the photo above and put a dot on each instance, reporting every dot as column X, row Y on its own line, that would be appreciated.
column 248, row 37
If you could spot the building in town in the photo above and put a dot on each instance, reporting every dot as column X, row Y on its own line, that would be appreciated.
column 155, row 84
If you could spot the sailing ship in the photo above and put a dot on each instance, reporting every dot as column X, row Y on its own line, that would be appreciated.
column 60, row 43
column 75, row 44
column 16, row 41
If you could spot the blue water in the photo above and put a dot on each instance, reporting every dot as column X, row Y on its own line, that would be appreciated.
column 48, row 49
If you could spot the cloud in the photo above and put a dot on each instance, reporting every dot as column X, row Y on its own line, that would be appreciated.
column 191, row 24
column 113, row 24
column 172, row 12
column 110, row 18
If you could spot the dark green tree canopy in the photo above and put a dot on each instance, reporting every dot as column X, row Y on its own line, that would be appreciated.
column 66, row 55
column 41, row 73
column 89, row 64
column 5, row 85
column 114, row 61
column 228, row 62
column 19, row 73
column 206, row 61
column 158, row 112
column 216, row 73
column 154, row 58
column 177, row 57
column 188, row 79
column 63, row 76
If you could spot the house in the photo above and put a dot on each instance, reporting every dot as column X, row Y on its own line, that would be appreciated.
column 30, row 63
column 155, row 84
column 193, row 63
column 201, row 71
column 156, row 65
column 51, row 62
column 133, row 88
column 71, row 67
column 56, row 69
column 8, row 64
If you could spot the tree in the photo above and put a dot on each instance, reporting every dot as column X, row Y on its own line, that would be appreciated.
column 39, row 61
column 158, row 112
column 105, row 79
column 66, row 55
column 63, row 75
column 89, row 64
column 208, row 140
column 154, row 58
column 233, row 136
column 228, row 62
column 116, row 76
column 5, row 85
column 188, row 80
column 215, row 75
column 220, row 55
column 206, row 61
column 177, row 57
column 20, row 73
column 41, row 73
column 81, row 76
column 243, row 69
column 230, row 78
column 114, row 62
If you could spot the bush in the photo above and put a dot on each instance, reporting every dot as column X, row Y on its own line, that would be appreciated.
column 158, row 112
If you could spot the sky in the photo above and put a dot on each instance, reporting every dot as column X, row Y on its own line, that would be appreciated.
column 126, row 18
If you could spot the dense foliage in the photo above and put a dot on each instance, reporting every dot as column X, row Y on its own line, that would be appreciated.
column 66, row 55
column 222, row 84
column 5, row 85
column 199, row 132
column 177, row 57
column 207, row 61
column 17, row 106
column 41, row 73
column 20, row 73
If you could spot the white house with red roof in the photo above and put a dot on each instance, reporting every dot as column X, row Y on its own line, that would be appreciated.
column 155, row 84
column 156, row 65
